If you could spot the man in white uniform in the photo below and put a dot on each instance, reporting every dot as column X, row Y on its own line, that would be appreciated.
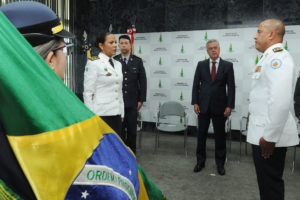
column 272, row 127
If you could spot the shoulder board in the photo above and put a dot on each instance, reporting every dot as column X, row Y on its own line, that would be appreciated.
column 94, row 58
column 277, row 49
column 137, row 56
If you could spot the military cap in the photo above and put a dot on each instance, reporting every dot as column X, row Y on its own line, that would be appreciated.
column 35, row 21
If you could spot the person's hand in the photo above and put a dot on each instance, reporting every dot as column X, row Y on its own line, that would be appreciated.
column 122, row 119
column 227, row 112
column 267, row 148
column 139, row 106
column 196, row 109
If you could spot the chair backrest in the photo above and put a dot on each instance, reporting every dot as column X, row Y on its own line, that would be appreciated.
column 171, row 108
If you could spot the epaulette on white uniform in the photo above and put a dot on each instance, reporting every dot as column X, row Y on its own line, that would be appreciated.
column 94, row 58
column 277, row 49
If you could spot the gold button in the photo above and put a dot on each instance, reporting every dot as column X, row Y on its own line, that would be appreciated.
column 116, row 90
column 125, row 79
column 125, row 85
column 117, row 98
column 125, row 92
column 125, row 72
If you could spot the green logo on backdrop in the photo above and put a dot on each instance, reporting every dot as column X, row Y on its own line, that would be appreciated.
column 159, row 105
column 205, row 58
column 230, row 48
column 159, row 83
column 286, row 46
column 256, row 60
column 180, row 120
column 160, row 38
column 139, row 116
column 159, row 62
column 181, row 96
column 181, row 72
column 140, row 50
column 182, row 49
column 205, row 37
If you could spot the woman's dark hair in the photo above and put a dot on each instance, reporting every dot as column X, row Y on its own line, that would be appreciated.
column 101, row 37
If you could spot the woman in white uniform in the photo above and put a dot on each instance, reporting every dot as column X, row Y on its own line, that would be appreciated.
column 103, row 83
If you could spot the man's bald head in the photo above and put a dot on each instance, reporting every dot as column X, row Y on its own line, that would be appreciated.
column 269, row 32
column 275, row 25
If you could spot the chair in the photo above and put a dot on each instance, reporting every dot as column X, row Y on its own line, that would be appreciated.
column 228, row 130
column 243, row 131
column 171, row 108
column 139, row 130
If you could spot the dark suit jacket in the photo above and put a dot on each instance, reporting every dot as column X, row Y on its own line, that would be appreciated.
column 134, row 80
column 297, row 98
column 212, row 96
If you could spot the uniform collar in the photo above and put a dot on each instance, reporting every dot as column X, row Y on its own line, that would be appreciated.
column 127, row 58
column 104, row 57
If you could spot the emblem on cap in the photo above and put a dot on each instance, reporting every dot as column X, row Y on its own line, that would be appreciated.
column 57, row 28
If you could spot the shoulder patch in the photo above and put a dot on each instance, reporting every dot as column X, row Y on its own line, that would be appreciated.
column 276, row 63
column 94, row 58
column 277, row 49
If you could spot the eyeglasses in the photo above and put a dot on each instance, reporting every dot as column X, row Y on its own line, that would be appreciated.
column 66, row 48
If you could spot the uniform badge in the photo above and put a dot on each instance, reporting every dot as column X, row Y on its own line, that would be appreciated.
column 276, row 63
column 258, row 69
column 108, row 74
column 105, row 69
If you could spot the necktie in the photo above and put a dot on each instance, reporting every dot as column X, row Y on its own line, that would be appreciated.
column 213, row 71
column 111, row 63
column 125, row 60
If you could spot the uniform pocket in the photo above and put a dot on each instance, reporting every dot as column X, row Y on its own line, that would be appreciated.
column 259, row 121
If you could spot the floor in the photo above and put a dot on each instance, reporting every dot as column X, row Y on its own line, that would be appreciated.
column 172, row 171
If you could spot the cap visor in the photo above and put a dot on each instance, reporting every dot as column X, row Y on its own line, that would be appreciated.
column 65, row 34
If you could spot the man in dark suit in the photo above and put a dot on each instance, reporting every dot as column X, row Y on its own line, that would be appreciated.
column 134, row 89
column 211, row 101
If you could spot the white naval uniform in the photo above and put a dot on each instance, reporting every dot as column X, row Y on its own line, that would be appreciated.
column 103, row 87
column 271, row 99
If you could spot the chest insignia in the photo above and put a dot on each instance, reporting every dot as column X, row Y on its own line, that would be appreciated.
column 276, row 63
column 258, row 69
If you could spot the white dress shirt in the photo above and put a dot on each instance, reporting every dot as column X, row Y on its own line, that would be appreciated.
column 217, row 64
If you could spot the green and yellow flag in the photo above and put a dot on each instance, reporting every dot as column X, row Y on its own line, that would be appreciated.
column 64, row 149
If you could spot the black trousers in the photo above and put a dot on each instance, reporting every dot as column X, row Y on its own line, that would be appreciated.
column 114, row 122
column 220, row 138
column 269, row 173
column 129, row 127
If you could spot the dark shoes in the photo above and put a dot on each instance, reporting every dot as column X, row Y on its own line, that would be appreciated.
column 221, row 170
column 198, row 167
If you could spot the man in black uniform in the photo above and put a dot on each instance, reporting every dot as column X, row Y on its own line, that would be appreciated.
column 134, row 89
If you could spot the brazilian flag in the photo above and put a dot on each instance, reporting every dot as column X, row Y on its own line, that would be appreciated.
column 60, row 148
